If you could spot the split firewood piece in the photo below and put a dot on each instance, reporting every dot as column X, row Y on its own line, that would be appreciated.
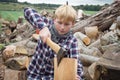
column 94, row 71
column 10, row 74
column 5, row 23
column 8, row 52
column 31, row 44
column 20, row 20
column 87, row 60
column 79, row 41
column 8, row 32
column 63, row 71
column 21, row 50
column 91, row 51
column 108, row 38
column 107, row 47
column 95, row 44
column 118, row 26
column 12, row 50
column 92, row 32
column 2, row 71
column 86, row 40
column 113, row 26
column 17, row 63
column 110, row 58
column 13, row 25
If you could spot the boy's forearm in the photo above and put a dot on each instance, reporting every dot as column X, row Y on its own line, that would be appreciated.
column 34, row 18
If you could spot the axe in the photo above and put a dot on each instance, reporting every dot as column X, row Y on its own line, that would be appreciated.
column 57, row 49
column 64, row 68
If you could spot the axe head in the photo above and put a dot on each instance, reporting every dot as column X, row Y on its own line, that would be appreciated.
column 60, row 55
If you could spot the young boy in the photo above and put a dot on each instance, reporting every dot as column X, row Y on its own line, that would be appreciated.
column 40, row 67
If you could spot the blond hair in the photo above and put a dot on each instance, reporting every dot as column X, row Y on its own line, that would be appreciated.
column 65, row 13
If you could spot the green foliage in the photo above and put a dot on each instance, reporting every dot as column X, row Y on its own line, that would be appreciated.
column 8, row 0
column 89, row 7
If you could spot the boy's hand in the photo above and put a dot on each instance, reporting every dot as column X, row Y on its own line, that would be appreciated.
column 77, row 77
column 44, row 34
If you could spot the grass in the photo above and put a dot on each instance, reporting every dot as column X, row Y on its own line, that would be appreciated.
column 90, row 12
column 11, row 15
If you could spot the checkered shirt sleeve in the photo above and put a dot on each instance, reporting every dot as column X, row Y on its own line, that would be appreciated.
column 35, row 19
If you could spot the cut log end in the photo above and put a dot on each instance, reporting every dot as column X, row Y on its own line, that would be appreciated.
column 86, row 40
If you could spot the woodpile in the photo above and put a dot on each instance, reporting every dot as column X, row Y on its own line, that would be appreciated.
column 13, row 32
column 15, row 59
column 99, row 57
column 98, row 39
column 17, row 51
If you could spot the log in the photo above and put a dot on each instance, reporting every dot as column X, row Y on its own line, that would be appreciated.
column 63, row 72
column 113, row 26
column 104, row 40
column 20, row 20
column 83, row 37
column 17, row 63
column 99, row 72
column 2, row 71
column 106, row 47
column 108, row 38
column 15, row 75
column 21, row 43
column 7, row 32
column 92, row 32
column 87, row 60
column 80, row 42
column 103, row 19
column 8, row 52
column 91, row 51
column 86, row 75
column 94, row 71
column 118, row 26
column 95, row 44
column 13, row 25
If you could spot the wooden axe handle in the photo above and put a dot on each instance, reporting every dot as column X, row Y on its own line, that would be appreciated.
column 55, row 47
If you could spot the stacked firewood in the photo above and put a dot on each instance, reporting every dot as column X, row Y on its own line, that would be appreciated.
column 99, row 56
column 98, row 36
column 16, row 49
column 15, row 59
column 15, row 31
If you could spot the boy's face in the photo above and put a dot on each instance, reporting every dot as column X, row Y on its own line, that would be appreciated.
column 62, row 27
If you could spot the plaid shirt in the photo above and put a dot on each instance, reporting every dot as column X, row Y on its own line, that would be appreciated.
column 41, row 67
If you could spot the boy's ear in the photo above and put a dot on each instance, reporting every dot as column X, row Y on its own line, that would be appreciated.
column 73, row 23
